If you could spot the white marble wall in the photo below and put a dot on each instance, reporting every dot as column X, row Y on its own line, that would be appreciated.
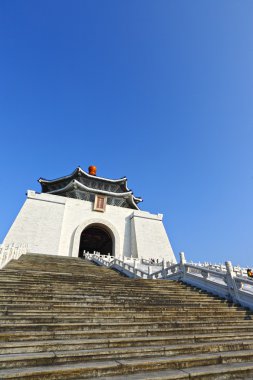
column 151, row 238
column 52, row 224
column 38, row 223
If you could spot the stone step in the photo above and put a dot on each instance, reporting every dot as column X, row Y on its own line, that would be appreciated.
column 80, row 298
column 130, row 314
column 143, row 285
column 237, row 371
column 96, row 314
column 36, row 281
column 26, row 277
column 45, row 358
column 9, row 320
column 97, row 310
column 47, row 338
column 140, row 297
column 111, row 292
column 77, row 293
column 128, row 326
column 117, row 309
column 132, row 320
column 99, row 349
column 169, row 308
column 13, row 335
column 203, row 362
column 101, row 289
column 143, row 301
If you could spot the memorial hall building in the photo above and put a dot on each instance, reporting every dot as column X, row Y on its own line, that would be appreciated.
column 83, row 212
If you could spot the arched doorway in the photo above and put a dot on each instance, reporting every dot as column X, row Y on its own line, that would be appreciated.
column 96, row 238
column 106, row 225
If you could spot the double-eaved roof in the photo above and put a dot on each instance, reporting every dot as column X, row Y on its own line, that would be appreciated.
column 84, row 186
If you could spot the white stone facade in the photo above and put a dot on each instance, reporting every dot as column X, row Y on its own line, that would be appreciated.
column 52, row 224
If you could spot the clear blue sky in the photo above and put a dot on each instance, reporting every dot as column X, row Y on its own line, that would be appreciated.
column 159, row 91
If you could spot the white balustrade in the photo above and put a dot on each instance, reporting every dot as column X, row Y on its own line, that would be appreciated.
column 223, row 280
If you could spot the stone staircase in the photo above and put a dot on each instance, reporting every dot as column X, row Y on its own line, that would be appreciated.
column 66, row 318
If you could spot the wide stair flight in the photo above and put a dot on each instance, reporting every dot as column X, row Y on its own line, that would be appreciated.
column 66, row 318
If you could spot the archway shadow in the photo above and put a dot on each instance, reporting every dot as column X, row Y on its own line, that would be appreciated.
column 95, row 238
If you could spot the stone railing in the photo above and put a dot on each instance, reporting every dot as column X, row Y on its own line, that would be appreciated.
column 225, row 281
column 222, row 268
column 127, row 266
column 10, row 252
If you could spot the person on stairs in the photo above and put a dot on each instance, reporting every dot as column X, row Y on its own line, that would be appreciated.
column 250, row 273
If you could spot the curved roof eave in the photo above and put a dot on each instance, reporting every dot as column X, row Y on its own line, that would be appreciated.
column 123, row 179
column 133, row 202
column 45, row 181
column 137, row 199
column 71, row 185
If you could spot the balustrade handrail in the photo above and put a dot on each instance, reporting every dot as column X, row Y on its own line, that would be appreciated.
column 221, row 268
column 244, row 280
column 161, row 271
column 116, row 261
column 207, row 270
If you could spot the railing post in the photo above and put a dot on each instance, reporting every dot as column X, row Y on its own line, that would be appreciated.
column 149, row 271
column 182, row 264
column 230, row 279
column 163, row 269
column 182, row 258
column 135, row 267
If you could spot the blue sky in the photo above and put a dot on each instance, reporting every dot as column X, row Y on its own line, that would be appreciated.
column 159, row 91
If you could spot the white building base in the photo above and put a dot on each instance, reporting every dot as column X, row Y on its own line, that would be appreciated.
column 52, row 224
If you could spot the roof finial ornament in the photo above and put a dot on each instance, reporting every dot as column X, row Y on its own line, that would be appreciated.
column 92, row 170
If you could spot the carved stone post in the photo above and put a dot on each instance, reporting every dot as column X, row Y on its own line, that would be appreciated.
column 230, row 279
column 182, row 264
column 149, row 271
column 135, row 267
column 182, row 258
column 163, row 269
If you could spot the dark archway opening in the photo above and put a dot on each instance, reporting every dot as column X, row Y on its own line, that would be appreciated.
column 95, row 239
